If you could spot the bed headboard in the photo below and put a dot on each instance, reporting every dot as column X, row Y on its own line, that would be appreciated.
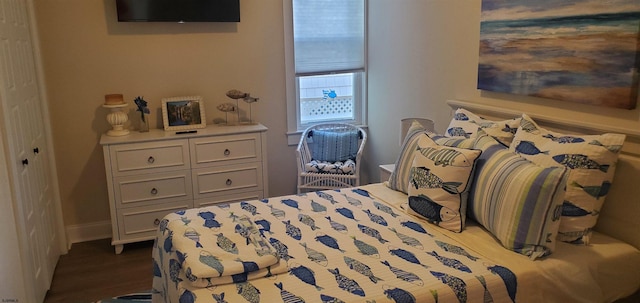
column 620, row 215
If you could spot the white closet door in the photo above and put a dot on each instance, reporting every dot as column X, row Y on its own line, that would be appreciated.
column 25, row 133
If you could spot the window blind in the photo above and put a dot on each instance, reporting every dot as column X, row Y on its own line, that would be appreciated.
column 328, row 36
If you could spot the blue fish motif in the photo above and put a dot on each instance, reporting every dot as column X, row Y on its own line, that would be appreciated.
column 317, row 207
column 187, row 297
column 249, row 207
column 174, row 271
column 487, row 295
column 376, row 218
column 315, row 255
column 422, row 177
column 185, row 220
column 407, row 256
column 455, row 249
column 509, row 129
column 328, row 241
column 612, row 148
column 384, row 208
column 209, row 219
column 453, row 263
column 361, row 192
column 157, row 272
column 248, row 292
column 219, row 298
column 460, row 117
column 371, row 232
column 353, row 201
column 563, row 139
column 307, row 220
column 404, row 275
column 287, row 296
column 574, row 161
column 346, row 212
column 181, row 212
column 181, row 257
column 266, row 201
column 305, row 275
column 411, row 241
column 399, row 295
column 528, row 126
column 290, row 203
column 361, row 268
column 244, row 231
column 226, row 244
column 458, row 132
column 529, row 148
column 346, row 283
column 416, row 227
column 162, row 227
column 292, row 230
column 212, row 261
column 509, row 278
column 248, row 266
column 594, row 191
column 365, row 249
column 571, row 210
column 281, row 249
column 431, row 210
column 456, row 284
column 189, row 274
column 265, row 226
column 233, row 216
column 276, row 212
column 337, row 226
column 326, row 196
column 329, row 299
column 168, row 242
column 192, row 234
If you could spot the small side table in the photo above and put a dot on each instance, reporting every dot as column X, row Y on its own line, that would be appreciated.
column 385, row 171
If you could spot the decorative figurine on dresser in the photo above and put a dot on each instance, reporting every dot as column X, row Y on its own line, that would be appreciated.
column 150, row 174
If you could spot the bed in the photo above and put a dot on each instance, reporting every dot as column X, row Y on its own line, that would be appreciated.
column 368, row 244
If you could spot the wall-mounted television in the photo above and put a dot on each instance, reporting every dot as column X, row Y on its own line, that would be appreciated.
column 178, row 10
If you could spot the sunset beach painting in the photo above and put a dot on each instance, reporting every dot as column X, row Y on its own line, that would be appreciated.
column 584, row 51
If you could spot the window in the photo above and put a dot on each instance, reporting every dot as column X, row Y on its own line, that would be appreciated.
column 326, row 70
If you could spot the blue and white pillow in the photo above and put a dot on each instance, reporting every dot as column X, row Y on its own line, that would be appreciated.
column 465, row 124
column 439, row 182
column 591, row 161
column 516, row 200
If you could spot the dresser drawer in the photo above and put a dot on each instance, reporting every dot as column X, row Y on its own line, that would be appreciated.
column 243, row 196
column 149, row 157
column 142, row 222
column 149, row 189
column 225, row 150
column 226, row 180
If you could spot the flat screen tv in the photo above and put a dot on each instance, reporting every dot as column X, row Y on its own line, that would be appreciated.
column 178, row 10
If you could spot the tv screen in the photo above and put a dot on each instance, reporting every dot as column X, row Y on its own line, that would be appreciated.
column 178, row 10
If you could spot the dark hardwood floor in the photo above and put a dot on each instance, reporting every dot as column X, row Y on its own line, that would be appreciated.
column 92, row 271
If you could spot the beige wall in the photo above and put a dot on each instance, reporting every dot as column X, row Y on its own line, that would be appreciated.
column 421, row 53
column 88, row 54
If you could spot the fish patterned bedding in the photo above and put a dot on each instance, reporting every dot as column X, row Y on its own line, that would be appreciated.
column 328, row 246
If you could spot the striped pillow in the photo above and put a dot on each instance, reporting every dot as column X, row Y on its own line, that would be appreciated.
column 591, row 161
column 334, row 146
column 399, row 179
column 514, row 199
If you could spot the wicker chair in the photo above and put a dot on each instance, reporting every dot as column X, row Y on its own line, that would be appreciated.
column 310, row 180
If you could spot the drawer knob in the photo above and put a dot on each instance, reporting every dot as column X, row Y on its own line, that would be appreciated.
column 25, row 162
column 227, row 152
column 156, row 222
column 151, row 160
column 154, row 191
column 229, row 182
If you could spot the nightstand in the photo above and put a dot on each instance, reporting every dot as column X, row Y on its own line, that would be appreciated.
column 385, row 171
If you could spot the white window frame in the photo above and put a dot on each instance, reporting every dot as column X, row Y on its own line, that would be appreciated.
column 294, row 126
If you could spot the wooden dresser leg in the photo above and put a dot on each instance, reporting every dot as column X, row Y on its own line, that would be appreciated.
column 119, row 248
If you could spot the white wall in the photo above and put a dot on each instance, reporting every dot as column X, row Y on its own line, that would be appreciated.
column 424, row 52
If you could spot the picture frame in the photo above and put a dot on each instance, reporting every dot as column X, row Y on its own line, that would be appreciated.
column 183, row 113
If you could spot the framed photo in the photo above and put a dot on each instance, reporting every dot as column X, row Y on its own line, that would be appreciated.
column 183, row 113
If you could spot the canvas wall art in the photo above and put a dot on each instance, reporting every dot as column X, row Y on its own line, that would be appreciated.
column 583, row 51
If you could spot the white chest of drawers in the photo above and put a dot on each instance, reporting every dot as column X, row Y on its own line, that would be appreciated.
column 152, row 174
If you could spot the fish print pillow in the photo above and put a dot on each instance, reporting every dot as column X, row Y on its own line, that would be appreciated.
column 591, row 160
column 439, row 181
column 466, row 124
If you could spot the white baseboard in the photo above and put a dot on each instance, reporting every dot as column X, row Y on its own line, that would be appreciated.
column 88, row 232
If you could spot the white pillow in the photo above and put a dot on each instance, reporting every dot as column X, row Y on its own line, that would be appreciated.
column 466, row 124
